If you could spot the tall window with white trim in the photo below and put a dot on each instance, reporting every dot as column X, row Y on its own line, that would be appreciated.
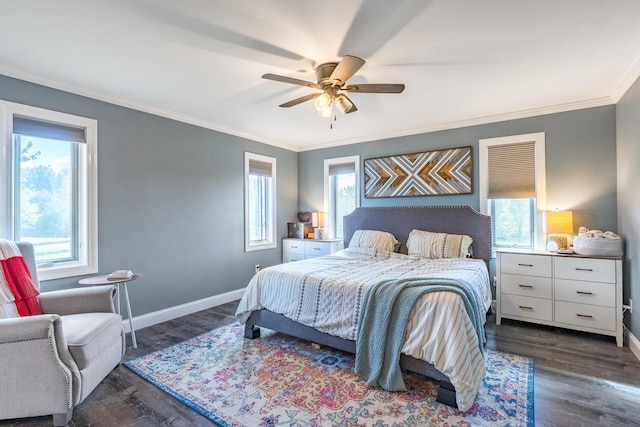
column 512, row 188
column 342, row 191
column 48, row 189
column 260, row 209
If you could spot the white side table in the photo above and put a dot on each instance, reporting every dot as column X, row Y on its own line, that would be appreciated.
column 104, row 280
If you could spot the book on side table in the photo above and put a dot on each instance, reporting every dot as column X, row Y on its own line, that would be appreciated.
column 120, row 274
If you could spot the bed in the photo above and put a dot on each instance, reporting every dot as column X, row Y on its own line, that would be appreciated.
column 314, row 299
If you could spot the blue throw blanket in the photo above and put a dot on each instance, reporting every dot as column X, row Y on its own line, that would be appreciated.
column 383, row 323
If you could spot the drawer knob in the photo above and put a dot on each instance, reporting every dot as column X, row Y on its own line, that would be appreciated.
column 586, row 316
column 526, row 286
column 294, row 247
column 525, row 307
column 584, row 293
column 317, row 249
column 584, row 269
column 525, row 265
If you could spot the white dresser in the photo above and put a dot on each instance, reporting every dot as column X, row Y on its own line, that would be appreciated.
column 569, row 291
column 297, row 249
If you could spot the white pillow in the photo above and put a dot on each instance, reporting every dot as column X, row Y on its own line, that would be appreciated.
column 373, row 239
column 438, row 245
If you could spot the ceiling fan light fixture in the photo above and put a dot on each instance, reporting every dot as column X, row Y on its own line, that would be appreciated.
column 323, row 102
column 344, row 104
column 326, row 112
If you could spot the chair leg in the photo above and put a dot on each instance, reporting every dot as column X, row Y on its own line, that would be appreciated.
column 60, row 420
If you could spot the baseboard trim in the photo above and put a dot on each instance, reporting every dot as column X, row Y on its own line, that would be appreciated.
column 634, row 343
column 155, row 317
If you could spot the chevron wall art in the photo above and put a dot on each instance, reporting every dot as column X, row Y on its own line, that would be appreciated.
column 430, row 173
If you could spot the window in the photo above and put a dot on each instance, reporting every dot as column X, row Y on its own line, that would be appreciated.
column 341, row 191
column 512, row 189
column 260, row 202
column 48, row 188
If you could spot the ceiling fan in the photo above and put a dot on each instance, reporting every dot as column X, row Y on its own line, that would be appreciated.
column 332, row 78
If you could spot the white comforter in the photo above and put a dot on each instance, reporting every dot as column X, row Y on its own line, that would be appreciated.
column 326, row 293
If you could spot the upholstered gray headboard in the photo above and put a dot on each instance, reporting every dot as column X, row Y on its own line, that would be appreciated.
column 399, row 221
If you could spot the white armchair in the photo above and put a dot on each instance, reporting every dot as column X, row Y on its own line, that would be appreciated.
column 50, row 363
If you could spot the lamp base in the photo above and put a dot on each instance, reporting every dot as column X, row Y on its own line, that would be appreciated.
column 556, row 243
column 319, row 233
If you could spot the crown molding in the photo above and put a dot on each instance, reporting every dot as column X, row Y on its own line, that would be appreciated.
column 184, row 118
column 590, row 103
column 627, row 81
column 77, row 90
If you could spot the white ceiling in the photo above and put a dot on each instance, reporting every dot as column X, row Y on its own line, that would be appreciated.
column 200, row 61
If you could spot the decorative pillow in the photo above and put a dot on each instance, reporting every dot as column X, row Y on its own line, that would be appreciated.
column 438, row 245
column 373, row 239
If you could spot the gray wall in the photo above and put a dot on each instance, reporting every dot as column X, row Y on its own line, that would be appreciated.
column 628, row 135
column 580, row 163
column 580, row 148
column 170, row 200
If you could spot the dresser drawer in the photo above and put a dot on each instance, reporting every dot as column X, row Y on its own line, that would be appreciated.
column 589, row 269
column 588, row 316
column 530, row 265
column 288, row 257
column 531, row 286
column 316, row 248
column 532, row 308
column 293, row 246
column 593, row 293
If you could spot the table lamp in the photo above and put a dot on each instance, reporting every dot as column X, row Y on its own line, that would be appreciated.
column 320, row 232
column 557, row 222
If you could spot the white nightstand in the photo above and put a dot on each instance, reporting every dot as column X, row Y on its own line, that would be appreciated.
column 568, row 291
column 297, row 249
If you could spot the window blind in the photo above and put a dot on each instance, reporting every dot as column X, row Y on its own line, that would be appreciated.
column 257, row 167
column 341, row 169
column 30, row 127
column 512, row 172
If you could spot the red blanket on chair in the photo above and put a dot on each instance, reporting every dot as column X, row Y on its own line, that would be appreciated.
column 18, row 294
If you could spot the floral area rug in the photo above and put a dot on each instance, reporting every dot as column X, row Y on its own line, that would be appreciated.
column 277, row 380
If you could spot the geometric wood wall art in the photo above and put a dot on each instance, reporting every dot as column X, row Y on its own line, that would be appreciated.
column 430, row 173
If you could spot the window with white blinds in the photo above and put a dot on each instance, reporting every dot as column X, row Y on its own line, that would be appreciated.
column 512, row 188
column 260, row 202
column 48, row 172
column 512, row 171
column 341, row 191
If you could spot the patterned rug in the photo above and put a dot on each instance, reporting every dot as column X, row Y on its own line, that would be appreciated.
column 277, row 380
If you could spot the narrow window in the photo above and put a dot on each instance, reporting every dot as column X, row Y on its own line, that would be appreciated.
column 512, row 189
column 49, row 188
column 342, row 193
column 260, row 211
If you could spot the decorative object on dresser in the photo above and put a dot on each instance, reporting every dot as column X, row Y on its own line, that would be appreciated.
column 568, row 291
column 299, row 230
column 320, row 232
column 298, row 249
column 557, row 222
column 429, row 173
column 597, row 243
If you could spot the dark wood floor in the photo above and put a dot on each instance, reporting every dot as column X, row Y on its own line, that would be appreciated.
column 580, row 379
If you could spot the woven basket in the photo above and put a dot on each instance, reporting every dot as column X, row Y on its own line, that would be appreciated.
column 597, row 246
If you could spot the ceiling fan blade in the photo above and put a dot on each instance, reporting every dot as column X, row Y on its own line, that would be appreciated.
column 376, row 88
column 300, row 100
column 291, row 80
column 346, row 68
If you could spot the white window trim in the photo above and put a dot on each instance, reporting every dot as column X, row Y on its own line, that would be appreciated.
column 88, row 232
column 541, row 188
column 248, row 247
column 327, row 165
